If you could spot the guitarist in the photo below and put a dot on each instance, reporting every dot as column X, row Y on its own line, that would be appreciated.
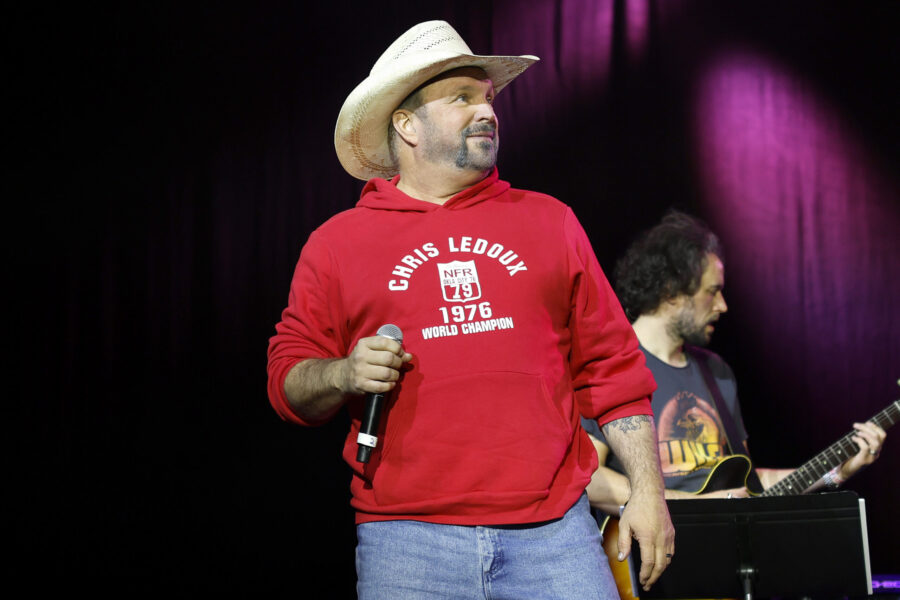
column 670, row 284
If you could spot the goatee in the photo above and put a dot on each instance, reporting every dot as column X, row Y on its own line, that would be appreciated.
column 487, row 157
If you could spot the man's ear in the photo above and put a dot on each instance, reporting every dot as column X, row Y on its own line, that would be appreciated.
column 404, row 125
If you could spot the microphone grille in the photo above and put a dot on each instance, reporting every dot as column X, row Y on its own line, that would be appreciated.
column 391, row 331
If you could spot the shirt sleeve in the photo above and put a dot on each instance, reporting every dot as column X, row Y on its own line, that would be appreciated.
column 609, row 372
column 310, row 326
column 591, row 426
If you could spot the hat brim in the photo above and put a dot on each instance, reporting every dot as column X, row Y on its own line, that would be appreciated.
column 360, row 136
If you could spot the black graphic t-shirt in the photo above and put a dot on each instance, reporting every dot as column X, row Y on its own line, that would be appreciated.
column 691, row 436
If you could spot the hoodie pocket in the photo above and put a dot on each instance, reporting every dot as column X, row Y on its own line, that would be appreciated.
column 486, row 433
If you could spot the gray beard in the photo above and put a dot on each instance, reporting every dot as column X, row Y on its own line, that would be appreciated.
column 484, row 160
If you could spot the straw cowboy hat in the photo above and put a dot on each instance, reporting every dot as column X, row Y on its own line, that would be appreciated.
column 426, row 50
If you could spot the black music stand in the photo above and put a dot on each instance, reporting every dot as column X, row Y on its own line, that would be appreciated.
column 748, row 548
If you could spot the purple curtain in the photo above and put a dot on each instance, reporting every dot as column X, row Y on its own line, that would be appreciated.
column 809, row 211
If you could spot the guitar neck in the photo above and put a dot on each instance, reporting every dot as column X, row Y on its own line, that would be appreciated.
column 813, row 469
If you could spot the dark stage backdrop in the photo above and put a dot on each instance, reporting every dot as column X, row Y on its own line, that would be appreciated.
column 173, row 158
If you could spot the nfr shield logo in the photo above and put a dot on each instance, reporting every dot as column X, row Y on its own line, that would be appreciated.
column 459, row 281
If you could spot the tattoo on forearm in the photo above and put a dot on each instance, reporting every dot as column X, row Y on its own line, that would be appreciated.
column 626, row 424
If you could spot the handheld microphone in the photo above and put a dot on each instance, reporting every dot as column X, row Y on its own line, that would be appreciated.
column 368, row 429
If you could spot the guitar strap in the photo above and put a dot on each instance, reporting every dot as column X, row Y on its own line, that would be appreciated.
column 701, row 357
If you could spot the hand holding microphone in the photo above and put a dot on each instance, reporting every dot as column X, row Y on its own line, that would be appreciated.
column 374, row 402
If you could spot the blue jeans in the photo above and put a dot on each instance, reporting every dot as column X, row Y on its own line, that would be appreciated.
column 557, row 560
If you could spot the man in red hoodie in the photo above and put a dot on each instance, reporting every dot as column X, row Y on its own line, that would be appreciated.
column 476, row 482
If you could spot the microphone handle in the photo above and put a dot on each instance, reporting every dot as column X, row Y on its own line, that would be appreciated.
column 369, row 432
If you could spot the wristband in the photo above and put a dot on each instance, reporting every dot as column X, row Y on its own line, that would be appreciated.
column 833, row 479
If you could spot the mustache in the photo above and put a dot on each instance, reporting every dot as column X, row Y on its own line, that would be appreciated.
column 480, row 128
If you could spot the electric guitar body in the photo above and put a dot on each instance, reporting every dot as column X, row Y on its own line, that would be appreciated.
column 731, row 472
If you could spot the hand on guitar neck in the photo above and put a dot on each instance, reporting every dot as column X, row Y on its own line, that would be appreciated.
column 869, row 438
column 729, row 478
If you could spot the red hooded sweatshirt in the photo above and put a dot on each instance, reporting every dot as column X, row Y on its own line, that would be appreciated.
column 514, row 332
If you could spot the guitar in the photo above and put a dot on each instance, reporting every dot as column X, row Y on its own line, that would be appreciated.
column 735, row 471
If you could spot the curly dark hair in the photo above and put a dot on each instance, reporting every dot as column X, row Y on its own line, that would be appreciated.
column 664, row 262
